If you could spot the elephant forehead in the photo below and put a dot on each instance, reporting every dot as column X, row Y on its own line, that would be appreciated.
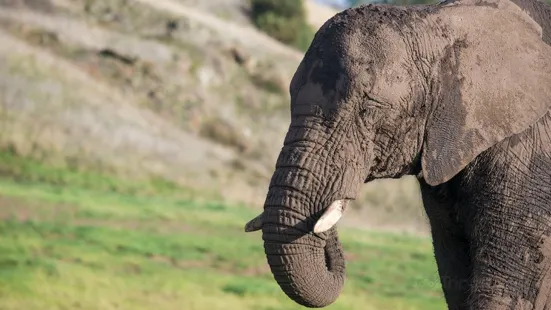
column 312, row 93
column 329, row 75
column 328, row 94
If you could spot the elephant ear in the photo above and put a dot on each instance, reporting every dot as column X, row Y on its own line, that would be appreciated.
column 495, row 82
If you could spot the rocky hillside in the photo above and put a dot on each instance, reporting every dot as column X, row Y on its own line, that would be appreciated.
column 187, row 91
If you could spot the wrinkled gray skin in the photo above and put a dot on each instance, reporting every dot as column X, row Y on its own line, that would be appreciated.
column 458, row 94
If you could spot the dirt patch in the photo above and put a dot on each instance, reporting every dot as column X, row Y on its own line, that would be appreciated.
column 24, row 210
column 187, row 264
column 256, row 270
column 350, row 257
column 212, row 262
column 159, row 226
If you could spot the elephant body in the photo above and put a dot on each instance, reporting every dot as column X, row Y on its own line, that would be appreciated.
column 458, row 94
column 491, row 225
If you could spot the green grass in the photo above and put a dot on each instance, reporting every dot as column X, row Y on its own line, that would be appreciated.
column 77, row 247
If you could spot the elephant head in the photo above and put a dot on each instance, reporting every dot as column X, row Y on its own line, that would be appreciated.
column 387, row 91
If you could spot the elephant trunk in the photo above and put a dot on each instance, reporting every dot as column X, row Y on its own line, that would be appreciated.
column 309, row 267
column 311, row 275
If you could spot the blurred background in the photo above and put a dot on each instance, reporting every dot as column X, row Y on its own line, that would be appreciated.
column 137, row 137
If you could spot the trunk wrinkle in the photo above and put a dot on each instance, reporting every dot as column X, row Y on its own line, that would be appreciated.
column 297, row 193
column 313, row 276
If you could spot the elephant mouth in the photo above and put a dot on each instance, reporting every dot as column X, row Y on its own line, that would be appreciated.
column 328, row 219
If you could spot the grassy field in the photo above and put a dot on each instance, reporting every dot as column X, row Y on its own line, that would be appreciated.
column 72, row 246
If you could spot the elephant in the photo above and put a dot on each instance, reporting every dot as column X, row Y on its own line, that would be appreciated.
column 456, row 94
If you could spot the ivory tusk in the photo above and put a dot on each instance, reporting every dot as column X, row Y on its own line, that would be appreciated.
column 254, row 224
column 330, row 217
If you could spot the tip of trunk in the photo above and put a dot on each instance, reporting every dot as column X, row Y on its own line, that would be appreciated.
column 309, row 270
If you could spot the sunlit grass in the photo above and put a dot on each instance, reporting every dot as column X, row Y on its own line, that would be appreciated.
column 79, row 247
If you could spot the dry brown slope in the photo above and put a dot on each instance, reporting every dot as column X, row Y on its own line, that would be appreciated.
column 133, row 70
column 51, row 105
